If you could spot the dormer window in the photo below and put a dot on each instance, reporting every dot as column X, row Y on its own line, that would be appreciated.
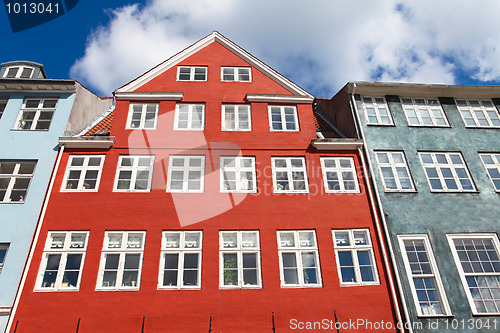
column 16, row 72
column 236, row 74
column 191, row 73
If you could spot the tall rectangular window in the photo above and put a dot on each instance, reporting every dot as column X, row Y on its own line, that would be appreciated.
column 3, row 253
column 239, row 259
column 237, row 174
column 3, row 105
column 83, row 173
column 236, row 74
column 15, row 178
column 299, row 258
column 134, row 173
column 189, row 117
column 36, row 114
column 492, row 164
column 339, row 175
column 424, row 112
column 191, row 73
column 186, row 173
column 423, row 276
column 394, row 171
column 355, row 259
column 283, row 118
column 478, row 261
column 180, row 262
column 446, row 172
column 121, row 260
column 478, row 113
column 142, row 116
column 376, row 111
column 62, row 261
column 236, row 117
column 289, row 174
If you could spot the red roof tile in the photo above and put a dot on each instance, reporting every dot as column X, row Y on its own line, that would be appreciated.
column 103, row 125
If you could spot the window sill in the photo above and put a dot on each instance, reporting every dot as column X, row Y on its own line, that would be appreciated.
column 53, row 290
column 239, row 288
column 119, row 289
column 287, row 286
column 141, row 129
column 436, row 316
column 29, row 130
column 381, row 125
column 483, row 127
column 430, row 126
column 359, row 284
column 400, row 191
column 455, row 192
column 131, row 191
column 179, row 288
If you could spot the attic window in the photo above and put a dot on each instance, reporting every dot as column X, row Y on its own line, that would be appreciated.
column 23, row 72
column 191, row 73
column 236, row 74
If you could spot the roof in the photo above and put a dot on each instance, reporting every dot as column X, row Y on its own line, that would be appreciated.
column 103, row 125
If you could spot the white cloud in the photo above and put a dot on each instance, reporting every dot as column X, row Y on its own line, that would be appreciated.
column 319, row 44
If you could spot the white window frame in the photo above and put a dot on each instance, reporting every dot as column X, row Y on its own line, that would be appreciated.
column 463, row 276
column 353, row 249
column 377, row 104
column 184, row 247
column 429, row 107
column 283, row 109
column 18, row 126
column 190, row 117
column 340, row 171
column 297, row 248
column 236, row 108
column 135, row 169
column 289, row 169
column 236, row 75
column 441, row 294
column 394, row 166
column 492, row 167
column 83, row 170
column 238, row 169
column 192, row 73
column 239, row 249
column 143, row 121
column 185, row 169
column 449, row 165
column 20, row 70
column 4, row 247
column 13, row 178
column 3, row 106
column 122, row 251
column 63, row 247
column 464, row 105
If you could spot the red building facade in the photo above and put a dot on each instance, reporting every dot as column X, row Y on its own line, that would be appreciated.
column 212, row 206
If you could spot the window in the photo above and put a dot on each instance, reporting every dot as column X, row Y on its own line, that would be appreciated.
column 283, row 118
column 186, row 173
column 424, row 112
column 83, row 173
column 62, row 261
column 15, row 178
column 239, row 259
column 299, row 259
column 354, row 254
column 236, row 74
column 423, row 276
column 142, row 116
column 289, row 174
column 394, row 171
column 3, row 252
column 23, row 72
column 237, row 174
column 376, row 111
column 339, row 174
column 236, row 117
column 446, row 172
column 36, row 114
column 191, row 73
column 3, row 105
column 180, row 263
column 492, row 164
column 478, row 262
column 134, row 173
column 189, row 117
column 121, row 260
column 478, row 113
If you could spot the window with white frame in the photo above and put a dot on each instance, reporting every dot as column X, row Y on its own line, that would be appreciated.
column 478, row 113
column 424, row 112
column 236, row 117
column 62, row 261
column 423, row 276
column 283, row 118
column 239, row 259
column 478, row 261
column 180, row 262
column 237, row 174
column 189, row 117
column 15, row 178
column 36, row 114
column 134, row 173
column 355, row 259
column 299, row 258
column 186, row 173
column 83, row 173
column 446, row 172
column 142, row 116
column 289, row 174
column 3, row 253
column 191, row 73
column 3, row 105
column 394, row 171
column 121, row 260
column 376, row 111
column 236, row 74
column 339, row 175
column 492, row 164
column 19, row 72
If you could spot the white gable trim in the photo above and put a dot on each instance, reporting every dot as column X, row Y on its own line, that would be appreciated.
column 149, row 96
column 279, row 98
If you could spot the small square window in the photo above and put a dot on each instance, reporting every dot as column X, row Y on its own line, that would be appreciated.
column 15, row 178
column 236, row 74
column 3, row 253
column 3, row 105
column 478, row 113
column 283, row 118
column 394, row 170
column 238, row 174
column 83, row 173
column 424, row 112
column 492, row 164
column 36, row 114
column 446, row 172
column 236, row 117
column 339, row 175
column 189, row 117
column 186, row 173
column 191, row 73
column 289, row 174
column 142, row 116
column 376, row 111
column 134, row 173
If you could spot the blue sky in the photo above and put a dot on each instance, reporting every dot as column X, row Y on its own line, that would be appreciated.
column 320, row 45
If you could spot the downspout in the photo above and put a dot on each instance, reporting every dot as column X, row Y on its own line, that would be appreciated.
column 35, row 240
